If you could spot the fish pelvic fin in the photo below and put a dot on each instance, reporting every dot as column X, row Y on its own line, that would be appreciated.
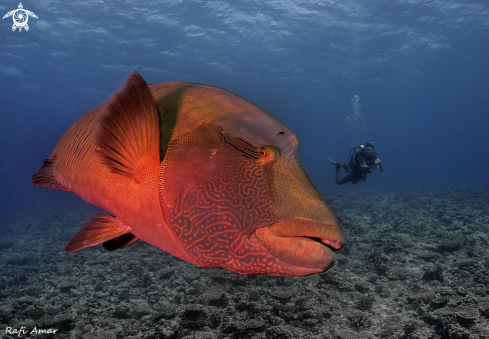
column 128, row 133
column 120, row 242
column 44, row 178
column 98, row 229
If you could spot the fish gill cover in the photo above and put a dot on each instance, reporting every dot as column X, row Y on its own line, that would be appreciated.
column 411, row 76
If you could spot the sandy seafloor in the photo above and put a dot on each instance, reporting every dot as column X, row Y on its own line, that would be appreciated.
column 415, row 265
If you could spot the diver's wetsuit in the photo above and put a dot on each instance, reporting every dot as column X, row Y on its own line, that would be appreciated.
column 358, row 167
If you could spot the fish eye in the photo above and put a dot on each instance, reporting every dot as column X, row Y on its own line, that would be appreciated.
column 263, row 152
column 268, row 154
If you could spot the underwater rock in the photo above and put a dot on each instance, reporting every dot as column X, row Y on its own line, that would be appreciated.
column 437, row 231
column 441, row 300
column 383, row 290
column 165, row 273
column 122, row 311
column 283, row 293
column 201, row 335
column 6, row 313
column 215, row 297
column 461, row 291
column 358, row 320
column 341, row 259
column 254, row 294
column 450, row 245
column 428, row 256
column 166, row 333
column 278, row 332
column 455, row 331
column 5, row 245
column 380, row 262
column 63, row 320
column 139, row 307
column 233, row 325
column 422, row 298
column 362, row 286
column 102, row 335
column 433, row 273
column 66, row 286
column 484, row 308
column 23, row 301
column 310, row 281
column 403, row 239
column 286, row 312
column 165, row 310
column 34, row 312
column 408, row 330
column 464, row 312
column 388, row 332
column 194, row 316
column 465, row 262
column 365, row 303
column 357, row 228
column 350, row 334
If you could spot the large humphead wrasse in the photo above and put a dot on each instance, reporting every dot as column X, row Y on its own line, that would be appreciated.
column 198, row 172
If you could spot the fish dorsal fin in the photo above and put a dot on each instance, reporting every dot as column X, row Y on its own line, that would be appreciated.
column 96, row 230
column 168, row 97
column 128, row 135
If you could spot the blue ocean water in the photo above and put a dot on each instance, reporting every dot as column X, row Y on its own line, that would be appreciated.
column 411, row 76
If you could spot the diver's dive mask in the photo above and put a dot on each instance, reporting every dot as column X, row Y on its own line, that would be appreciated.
column 369, row 151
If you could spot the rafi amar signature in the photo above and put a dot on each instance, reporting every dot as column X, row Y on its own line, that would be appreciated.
column 22, row 331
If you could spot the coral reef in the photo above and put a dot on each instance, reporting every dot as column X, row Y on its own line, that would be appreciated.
column 415, row 266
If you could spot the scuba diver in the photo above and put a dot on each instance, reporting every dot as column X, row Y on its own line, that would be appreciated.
column 362, row 161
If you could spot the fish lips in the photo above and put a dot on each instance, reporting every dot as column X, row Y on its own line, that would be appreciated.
column 301, row 242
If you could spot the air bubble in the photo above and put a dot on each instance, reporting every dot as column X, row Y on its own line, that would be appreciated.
column 356, row 121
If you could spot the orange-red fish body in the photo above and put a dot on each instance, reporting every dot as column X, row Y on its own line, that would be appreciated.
column 198, row 172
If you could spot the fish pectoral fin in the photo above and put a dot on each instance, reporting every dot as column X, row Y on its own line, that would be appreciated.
column 44, row 178
column 128, row 134
column 98, row 229
column 120, row 242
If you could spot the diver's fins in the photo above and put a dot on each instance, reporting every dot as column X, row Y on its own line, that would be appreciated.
column 339, row 165
column 336, row 164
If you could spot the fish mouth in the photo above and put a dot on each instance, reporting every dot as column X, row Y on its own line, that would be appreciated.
column 301, row 242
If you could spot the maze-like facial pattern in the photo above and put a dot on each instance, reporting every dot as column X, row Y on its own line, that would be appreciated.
column 214, row 196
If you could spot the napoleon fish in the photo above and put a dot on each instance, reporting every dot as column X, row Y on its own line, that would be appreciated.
column 198, row 172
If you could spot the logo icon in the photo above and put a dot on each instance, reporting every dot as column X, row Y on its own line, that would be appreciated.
column 20, row 17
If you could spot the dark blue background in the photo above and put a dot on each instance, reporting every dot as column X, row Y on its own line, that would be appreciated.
column 420, row 69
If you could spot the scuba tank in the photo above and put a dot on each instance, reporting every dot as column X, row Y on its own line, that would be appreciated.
column 352, row 156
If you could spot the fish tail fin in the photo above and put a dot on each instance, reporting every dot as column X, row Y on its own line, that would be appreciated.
column 98, row 229
column 128, row 134
column 44, row 178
